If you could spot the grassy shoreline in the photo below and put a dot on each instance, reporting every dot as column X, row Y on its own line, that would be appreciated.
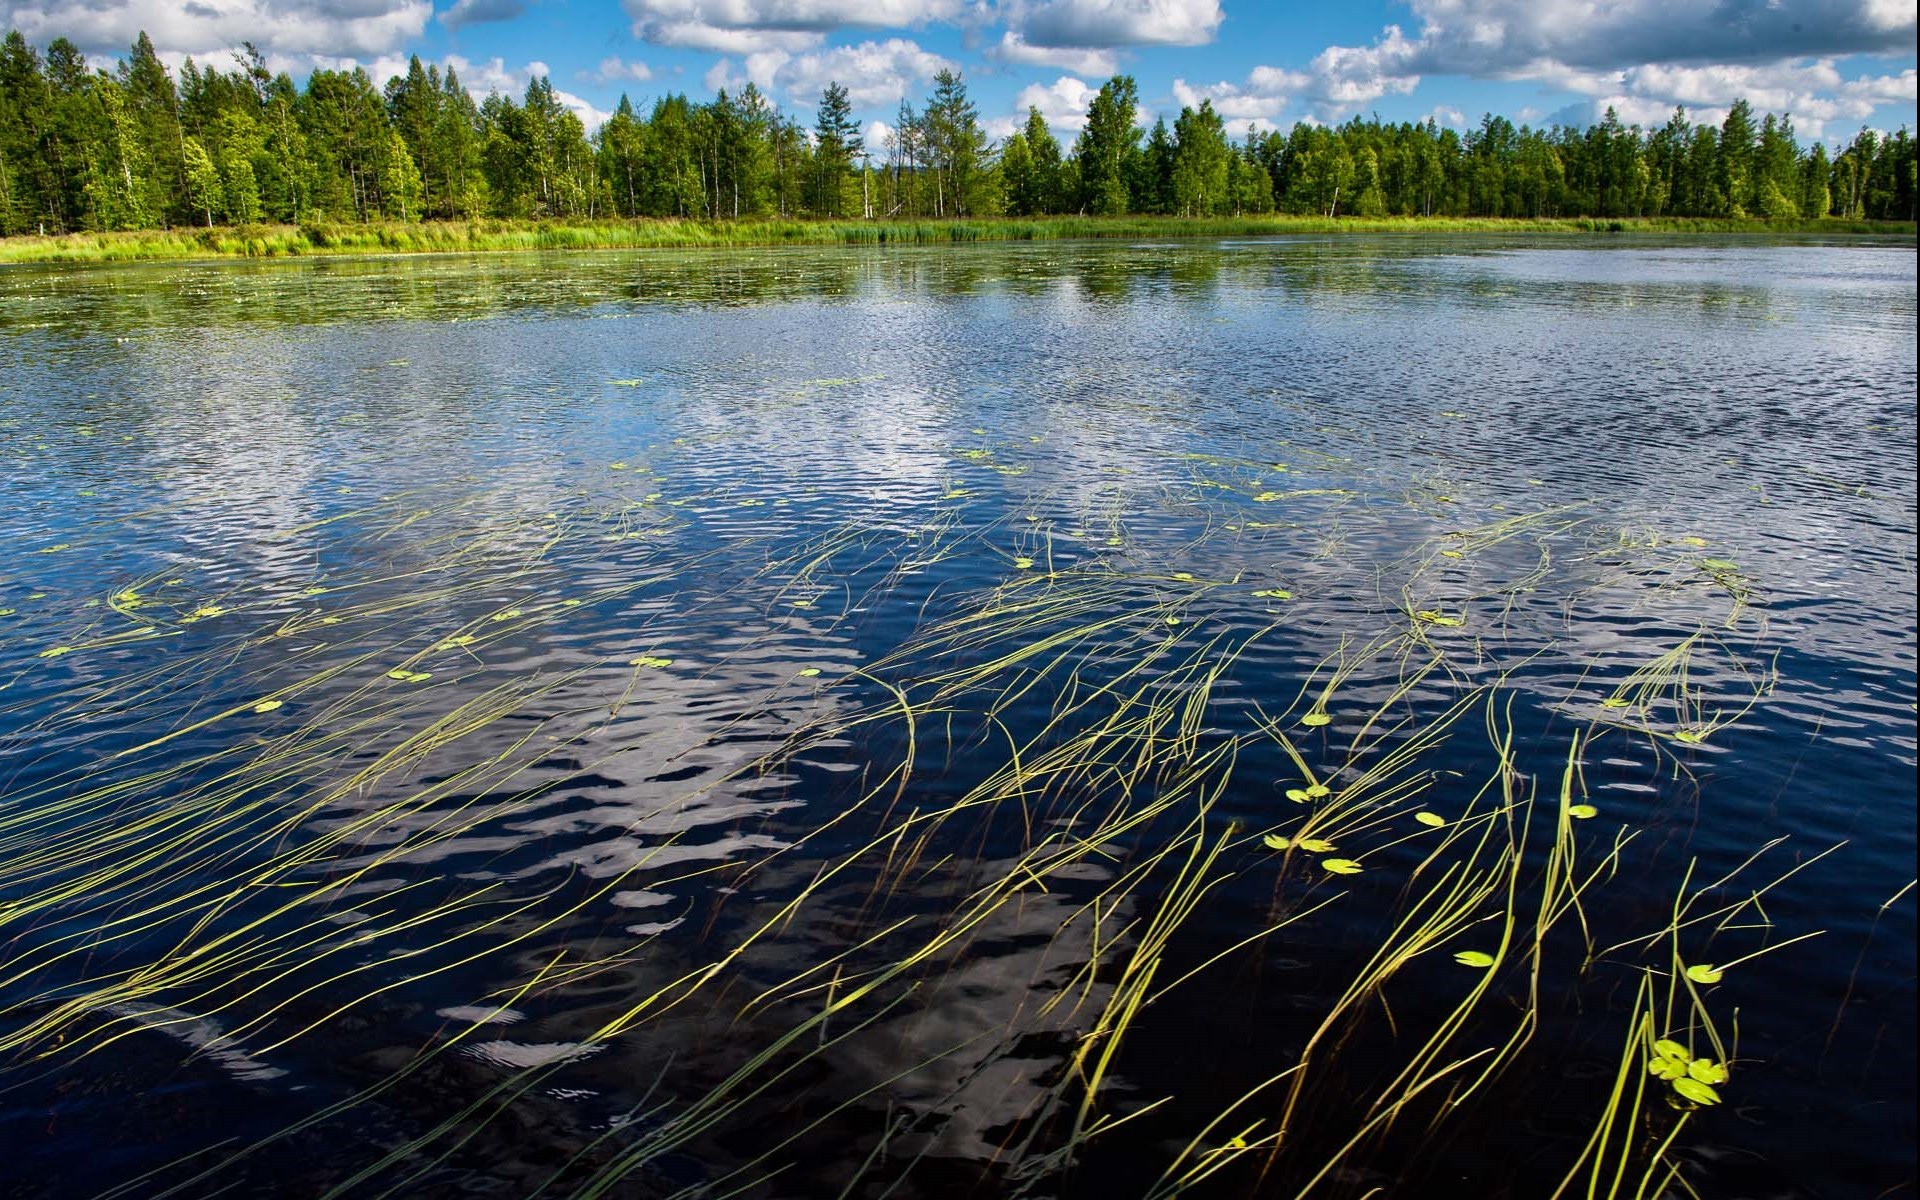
column 442, row 237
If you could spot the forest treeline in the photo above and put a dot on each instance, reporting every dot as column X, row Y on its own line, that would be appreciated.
column 136, row 148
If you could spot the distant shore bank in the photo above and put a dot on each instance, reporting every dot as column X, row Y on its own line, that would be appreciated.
column 443, row 237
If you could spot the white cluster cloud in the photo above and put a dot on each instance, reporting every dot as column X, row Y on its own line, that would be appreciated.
column 614, row 69
column 1016, row 51
column 477, row 12
column 743, row 27
column 1063, row 103
column 1114, row 23
column 1812, row 91
column 1640, row 57
column 875, row 74
column 1524, row 38
column 1340, row 80
column 208, row 29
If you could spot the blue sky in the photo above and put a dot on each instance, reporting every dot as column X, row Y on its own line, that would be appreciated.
column 1836, row 65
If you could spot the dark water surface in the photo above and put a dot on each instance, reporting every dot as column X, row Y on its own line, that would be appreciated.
column 817, row 723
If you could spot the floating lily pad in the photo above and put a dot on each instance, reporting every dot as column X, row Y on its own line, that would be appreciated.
column 1696, row 1091
column 1583, row 811
column 1274, row 841
column 1474, row 958
column 1704, row 973
column 809, row 672
column 1432, row 819
column 1022, row 563
column 1298, row 795
column 1318, row 791
column 267, row 706
column 648, row 660
column 56, row 651
column 1667, row 1048
column 1691, row 737
column 1707, row 1071
column 1315, row 845
column 1341, row 866
column 1273, row 594
column 1667, row 1068
column 1315, row 720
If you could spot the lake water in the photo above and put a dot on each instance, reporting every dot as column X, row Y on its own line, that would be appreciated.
column 992, row 720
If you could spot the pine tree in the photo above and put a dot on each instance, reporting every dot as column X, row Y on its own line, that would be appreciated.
column 836, row 144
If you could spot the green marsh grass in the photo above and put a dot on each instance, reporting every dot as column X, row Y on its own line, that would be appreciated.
column 499, row 235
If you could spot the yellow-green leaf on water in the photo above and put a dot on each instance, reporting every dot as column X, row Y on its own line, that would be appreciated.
column 267, row 706
column 809, row 672
column 623, row 382
column 1315, row 720
column 508, row 615
column 399, row 673
column 1614, row 702
column 1273, row 594
column 1341, row 866
column 1022, row 563
column 1719, row 564
column 1298, row 795
column 1183, row 576
column 1432, row 819
column 1694, row 541
column 1704, row 973
column 1318, row 791
column 1691, row 737
column 1583, row 811
column 1433, row 617
column 209, row 610
column 648, row 660
column 1315, row 845
column 1451, row 554
column 464, row 639
column 56, row 651
column 1274, row 841
column 1663, row 1067
column 6, row 612
column 1696, row 1091
column 1474, row 958
column 1707, row 1071
column 1173, row 620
